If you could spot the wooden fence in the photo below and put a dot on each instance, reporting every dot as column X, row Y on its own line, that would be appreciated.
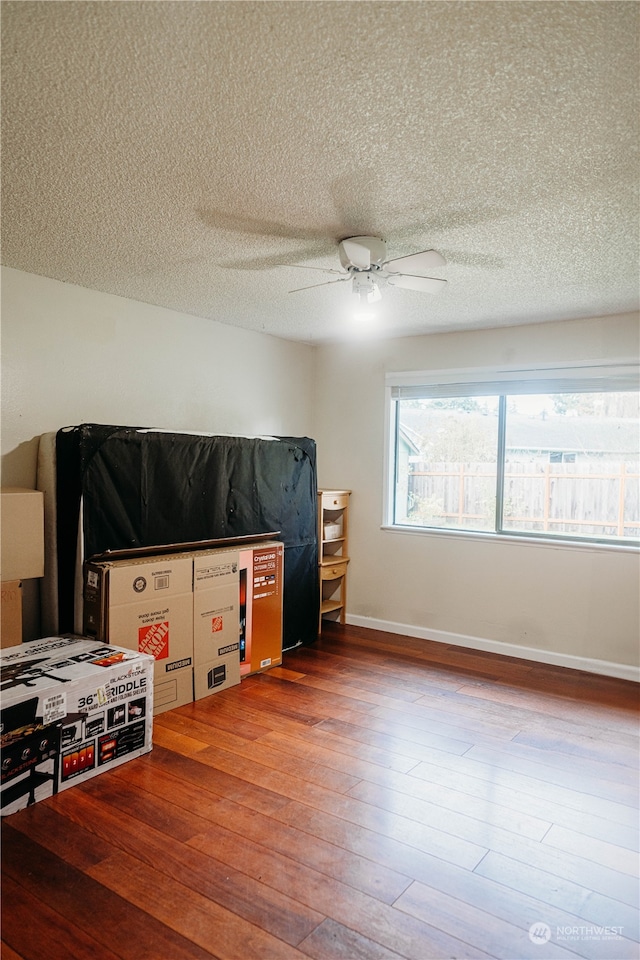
column 597, row 498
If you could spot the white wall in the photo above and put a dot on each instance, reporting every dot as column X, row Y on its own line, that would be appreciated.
column 560, row 601
column 71, row 355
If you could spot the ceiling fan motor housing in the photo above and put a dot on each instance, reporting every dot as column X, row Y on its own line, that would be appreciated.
column 362, row 253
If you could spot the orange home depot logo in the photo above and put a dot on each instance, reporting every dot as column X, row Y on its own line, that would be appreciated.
column 216, row 624
column 154, row 639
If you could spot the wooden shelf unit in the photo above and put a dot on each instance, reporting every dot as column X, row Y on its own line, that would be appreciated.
column 333, row 538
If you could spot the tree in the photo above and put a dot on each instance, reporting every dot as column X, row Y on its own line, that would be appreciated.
column 623, row 404
column 581, row 404
column 468, row 439
column 466, row 404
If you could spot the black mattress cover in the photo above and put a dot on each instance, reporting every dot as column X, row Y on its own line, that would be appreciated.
column 141, row 487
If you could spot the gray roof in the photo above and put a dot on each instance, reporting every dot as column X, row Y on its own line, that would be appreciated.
column 602, row 435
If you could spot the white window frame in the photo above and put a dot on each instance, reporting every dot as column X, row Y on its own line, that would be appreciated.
column 609, row 376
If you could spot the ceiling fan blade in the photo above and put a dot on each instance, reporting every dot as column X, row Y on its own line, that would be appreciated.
column 415, row 263
column 326, row 283
column 358, row 255
column 276, row 259
column 304, row 266
column 257, row 227
column 424, row 284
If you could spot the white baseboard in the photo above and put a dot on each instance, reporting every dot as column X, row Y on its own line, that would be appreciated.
column 603, row 667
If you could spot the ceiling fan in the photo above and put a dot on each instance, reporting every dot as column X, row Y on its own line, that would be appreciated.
column 365, row 263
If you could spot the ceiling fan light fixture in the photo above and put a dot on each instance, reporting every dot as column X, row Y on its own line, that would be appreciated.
column 366, row 293
column 365, row 288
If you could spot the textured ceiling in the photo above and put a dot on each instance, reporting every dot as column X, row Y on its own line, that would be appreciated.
column 184, row 153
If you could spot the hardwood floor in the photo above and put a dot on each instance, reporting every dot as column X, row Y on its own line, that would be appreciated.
column 375, row 797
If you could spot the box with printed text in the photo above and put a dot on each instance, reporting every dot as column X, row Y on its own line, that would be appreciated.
column 72, row 708
column 216, row 621
column 146, row 605
column 261, row 606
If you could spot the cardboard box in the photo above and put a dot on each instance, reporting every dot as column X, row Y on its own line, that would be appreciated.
column 146, row 605
column 11, row 614
column 22, row 533
column 261, row 605
column 208, row 617
column 216, row 622
column 71, row 709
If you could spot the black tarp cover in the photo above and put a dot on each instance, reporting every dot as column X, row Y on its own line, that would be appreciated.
column 143, row 488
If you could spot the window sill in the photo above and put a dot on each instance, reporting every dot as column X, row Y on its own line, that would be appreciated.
column 631, row 548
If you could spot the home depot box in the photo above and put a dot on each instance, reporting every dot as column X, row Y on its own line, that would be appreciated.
column 216, row 621
column 146, row 605
column 261, row 605
column 256, row 589
column 21, row 533
column 71, row 709
column 11, row 614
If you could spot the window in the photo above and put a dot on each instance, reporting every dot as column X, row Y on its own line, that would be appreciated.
column 555, row 455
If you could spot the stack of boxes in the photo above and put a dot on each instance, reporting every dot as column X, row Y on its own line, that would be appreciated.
column 158, row 632
column 207, row 617
column 21, row 554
